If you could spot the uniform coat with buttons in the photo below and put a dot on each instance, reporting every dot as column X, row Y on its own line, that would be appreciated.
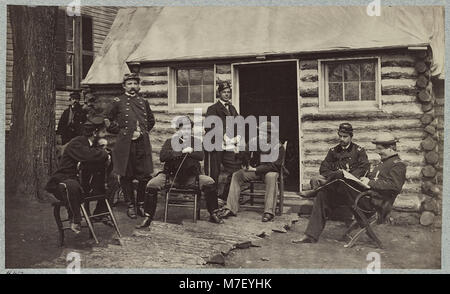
column 388, row 177
column 125, row 113
column 353, row 159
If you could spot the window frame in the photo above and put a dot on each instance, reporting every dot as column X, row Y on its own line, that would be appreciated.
column 172, row 89
column 78, row 51
column 326, row 105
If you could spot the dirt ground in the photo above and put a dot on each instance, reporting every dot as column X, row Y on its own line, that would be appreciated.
column 31, row 239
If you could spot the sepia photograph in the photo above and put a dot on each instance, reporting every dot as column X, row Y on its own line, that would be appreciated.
column 220, row 138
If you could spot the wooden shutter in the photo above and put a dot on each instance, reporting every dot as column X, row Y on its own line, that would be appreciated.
column 87, row 44
column 61, row 50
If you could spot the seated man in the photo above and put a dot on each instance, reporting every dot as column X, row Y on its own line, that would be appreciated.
column 182, row 164
column 93, row 177
column 386, row 179
column 257, row 170
column 85, row 150
column 345, row 156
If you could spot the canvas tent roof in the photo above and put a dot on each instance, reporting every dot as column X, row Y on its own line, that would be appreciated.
column 128, row 29
column 194, row 33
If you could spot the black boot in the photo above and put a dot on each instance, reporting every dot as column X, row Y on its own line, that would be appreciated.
column 142, row 184
column 215, row 218
column 145, row 223
column 210, row 192
column 140, row 209
column 131, row 212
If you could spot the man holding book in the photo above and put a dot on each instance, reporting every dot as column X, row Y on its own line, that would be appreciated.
column 387, row 179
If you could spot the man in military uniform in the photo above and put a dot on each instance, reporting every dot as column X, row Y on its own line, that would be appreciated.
column 386, row 180
column 345, row 156
column 85, row 150
column 182, row 165
column 226, row 156
column 71, row 121
column 132, row 120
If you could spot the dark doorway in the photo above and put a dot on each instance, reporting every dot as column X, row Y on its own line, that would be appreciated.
column 270, row 89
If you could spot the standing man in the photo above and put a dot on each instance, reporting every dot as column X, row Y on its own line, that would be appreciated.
column 132, row 120
column 226, row 155
column 386, row 179
column 71, row 121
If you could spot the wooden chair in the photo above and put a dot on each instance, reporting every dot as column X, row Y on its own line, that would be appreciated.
column 366, row 217
column 252, row 194
column 89, row 219
column 178, row 195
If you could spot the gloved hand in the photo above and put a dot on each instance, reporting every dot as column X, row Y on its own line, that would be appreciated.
column 187, row 150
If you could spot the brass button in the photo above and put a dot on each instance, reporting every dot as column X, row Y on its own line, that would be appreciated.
column 126, row 114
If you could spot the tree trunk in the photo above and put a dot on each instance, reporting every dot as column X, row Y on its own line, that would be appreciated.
column 30, row 151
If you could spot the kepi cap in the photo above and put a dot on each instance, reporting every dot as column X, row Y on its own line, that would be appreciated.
column 131, row 76
column 346, row 128
column 385, row 138
column 75, row 95
column 224, row 85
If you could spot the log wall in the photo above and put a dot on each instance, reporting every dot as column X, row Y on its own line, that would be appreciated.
column 406, row 110
column 102, row 19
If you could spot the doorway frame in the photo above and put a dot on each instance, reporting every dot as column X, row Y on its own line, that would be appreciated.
column 236, row 99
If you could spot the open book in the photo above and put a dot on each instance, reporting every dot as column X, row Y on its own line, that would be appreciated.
column 351, row 177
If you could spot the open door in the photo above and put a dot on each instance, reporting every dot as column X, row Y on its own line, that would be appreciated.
column 270, row 89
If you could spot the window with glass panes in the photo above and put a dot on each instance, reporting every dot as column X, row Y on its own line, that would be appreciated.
column 351, row 81
column 74, row 50
column 195, row 85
